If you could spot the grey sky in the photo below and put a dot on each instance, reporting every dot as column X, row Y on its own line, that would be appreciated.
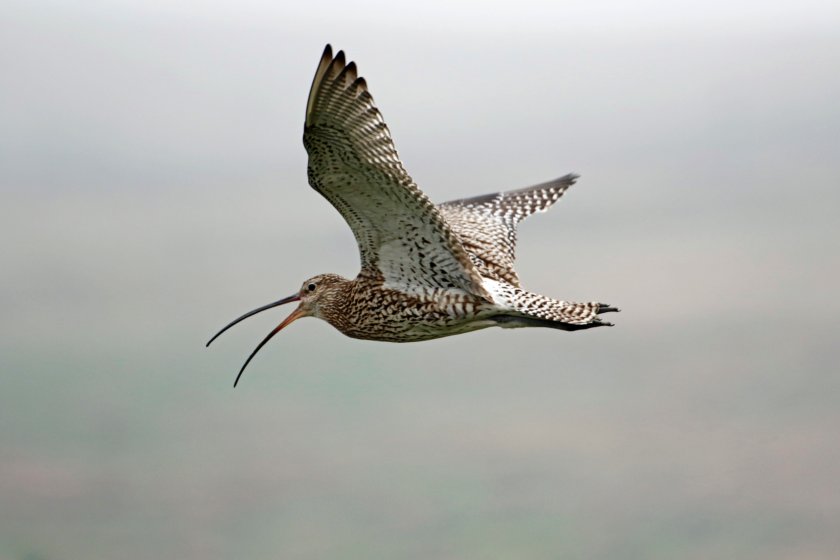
column 153, row 187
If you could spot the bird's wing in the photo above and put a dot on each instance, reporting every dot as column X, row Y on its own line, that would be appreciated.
column 486, row 225
column 401, row 234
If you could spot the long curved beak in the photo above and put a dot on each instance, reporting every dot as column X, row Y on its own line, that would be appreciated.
column 254, row 312
column 296, row 314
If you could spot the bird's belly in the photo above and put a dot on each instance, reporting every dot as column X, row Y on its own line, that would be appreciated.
column 412, row 323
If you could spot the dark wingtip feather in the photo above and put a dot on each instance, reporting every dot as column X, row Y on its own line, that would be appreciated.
column 335, row 67
column 320, row 72
column 351, row 71
column 347, row 76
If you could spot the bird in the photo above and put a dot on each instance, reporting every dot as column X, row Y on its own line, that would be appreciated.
column 427, row 270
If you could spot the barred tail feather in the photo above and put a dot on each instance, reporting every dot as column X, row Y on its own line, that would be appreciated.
column 534, row 310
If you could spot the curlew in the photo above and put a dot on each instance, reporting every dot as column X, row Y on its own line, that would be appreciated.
column 427, row 270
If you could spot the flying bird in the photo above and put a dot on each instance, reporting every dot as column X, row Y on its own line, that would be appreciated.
column 427, row 270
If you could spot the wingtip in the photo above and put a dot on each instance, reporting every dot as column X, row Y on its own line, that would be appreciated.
column 323, row 67
column 348, row 75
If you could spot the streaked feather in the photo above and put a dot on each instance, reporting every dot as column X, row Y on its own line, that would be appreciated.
column 402, row 236
column 486, row 225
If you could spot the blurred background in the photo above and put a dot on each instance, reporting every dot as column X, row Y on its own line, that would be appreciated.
column 154, row 188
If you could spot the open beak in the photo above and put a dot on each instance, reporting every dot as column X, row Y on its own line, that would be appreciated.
column 296, row 314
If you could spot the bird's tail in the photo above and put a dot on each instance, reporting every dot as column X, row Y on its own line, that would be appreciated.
column 534, row 310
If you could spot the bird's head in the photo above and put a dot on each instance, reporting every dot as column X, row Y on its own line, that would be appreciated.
column 316, row 292
column 314, row 295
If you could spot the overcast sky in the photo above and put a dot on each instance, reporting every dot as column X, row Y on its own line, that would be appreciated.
column 153, row 187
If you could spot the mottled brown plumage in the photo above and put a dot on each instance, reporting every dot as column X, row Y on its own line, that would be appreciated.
column 427, row 270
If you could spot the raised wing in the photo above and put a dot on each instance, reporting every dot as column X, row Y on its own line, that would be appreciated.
column 486, row 225
column 401, row 234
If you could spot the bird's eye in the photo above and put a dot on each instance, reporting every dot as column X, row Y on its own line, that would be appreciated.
column 311, row 287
